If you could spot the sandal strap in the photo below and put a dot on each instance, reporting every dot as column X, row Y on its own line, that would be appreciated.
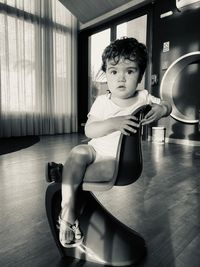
column 64, row 225
column 75, row 226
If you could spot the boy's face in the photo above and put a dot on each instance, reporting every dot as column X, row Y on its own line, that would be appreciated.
column 122, row 78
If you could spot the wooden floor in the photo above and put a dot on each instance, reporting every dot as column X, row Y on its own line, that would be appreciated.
column 163, row 205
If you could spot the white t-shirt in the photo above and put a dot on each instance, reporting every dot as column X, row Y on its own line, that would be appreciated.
column 104, row 108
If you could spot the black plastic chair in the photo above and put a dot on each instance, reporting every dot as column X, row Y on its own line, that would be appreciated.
column 106, row 240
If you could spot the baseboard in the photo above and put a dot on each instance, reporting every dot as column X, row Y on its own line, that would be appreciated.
column 182, row 141
column 177, row 141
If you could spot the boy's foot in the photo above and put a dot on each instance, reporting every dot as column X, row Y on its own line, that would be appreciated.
column 69, row 235
column 54, row 172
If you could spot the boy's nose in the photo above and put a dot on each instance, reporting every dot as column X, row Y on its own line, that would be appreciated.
column 121, row 77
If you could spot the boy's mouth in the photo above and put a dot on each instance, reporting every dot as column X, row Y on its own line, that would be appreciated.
column 121, row 87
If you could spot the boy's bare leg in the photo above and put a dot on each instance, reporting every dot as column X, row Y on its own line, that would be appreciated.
column 73, row 172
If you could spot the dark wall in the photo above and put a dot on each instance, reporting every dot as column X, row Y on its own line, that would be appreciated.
column 82, row 80
column 181, row 29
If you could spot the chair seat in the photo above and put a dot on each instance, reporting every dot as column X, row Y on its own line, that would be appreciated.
column 100, row 176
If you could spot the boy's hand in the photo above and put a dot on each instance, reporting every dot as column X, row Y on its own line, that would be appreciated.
column 126, row 124
column 156, row 112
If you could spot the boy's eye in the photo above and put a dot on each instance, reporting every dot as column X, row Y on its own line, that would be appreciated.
column 130, row 71
column 113, row 72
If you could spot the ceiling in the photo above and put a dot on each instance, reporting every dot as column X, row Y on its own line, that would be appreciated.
column 90, row 12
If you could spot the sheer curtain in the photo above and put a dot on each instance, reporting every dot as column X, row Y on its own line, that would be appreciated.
column 38, row 90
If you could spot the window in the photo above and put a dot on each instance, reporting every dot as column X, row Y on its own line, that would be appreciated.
column 97, row 83
column 37, row 67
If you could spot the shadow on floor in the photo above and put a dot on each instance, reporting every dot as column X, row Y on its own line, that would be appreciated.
column 12, row 144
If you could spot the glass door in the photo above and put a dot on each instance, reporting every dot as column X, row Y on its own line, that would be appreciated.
column 136, row 28
column 97, row 82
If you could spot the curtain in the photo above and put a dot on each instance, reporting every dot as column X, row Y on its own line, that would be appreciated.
column 38, row 89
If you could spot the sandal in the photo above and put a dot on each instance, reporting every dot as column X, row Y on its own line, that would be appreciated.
column 71, row 232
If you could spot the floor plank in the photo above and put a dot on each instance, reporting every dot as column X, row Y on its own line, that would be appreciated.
column 163, row 205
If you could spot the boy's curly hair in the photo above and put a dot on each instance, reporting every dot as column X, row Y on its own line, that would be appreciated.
column 127, row 48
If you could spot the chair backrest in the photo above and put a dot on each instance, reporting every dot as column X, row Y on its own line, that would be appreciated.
column 127, row 166
column 129, row 154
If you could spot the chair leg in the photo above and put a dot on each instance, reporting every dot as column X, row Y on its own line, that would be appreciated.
column 53, row 207
column 106, row 240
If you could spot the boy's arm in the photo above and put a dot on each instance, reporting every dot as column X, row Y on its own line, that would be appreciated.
column 97, row 128
column 157, row 111
column 167, row 106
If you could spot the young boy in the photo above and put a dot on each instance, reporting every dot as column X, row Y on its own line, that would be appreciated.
column 124, row 62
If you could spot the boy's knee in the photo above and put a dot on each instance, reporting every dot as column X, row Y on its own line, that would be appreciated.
column 79, row 153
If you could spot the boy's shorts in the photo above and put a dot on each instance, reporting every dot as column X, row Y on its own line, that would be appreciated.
column 99, row 156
